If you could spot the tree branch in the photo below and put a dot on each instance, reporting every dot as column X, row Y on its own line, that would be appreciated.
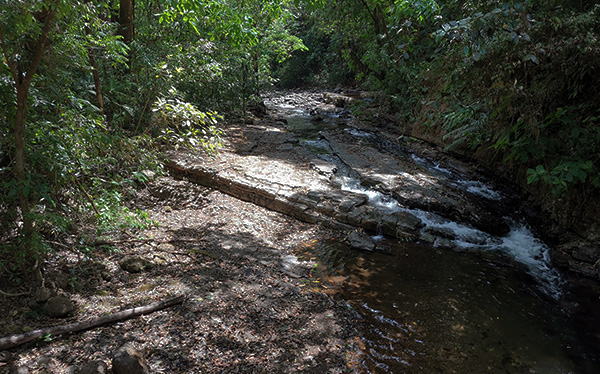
column 39, row 50
column 15, row 340
column 9, row 62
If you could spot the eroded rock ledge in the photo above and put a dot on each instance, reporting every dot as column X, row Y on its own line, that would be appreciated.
column 333, row 208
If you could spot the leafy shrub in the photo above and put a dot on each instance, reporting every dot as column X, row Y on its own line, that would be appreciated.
column 182, row 124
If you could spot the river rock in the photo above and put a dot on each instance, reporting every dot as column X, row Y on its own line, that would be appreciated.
column 360, row 240
column 128, row 360
column 59, row 306
column 135, row 264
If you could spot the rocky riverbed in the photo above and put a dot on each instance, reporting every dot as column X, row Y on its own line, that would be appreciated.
column 303, row 172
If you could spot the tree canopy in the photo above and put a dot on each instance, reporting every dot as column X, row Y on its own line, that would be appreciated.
column 84, row 84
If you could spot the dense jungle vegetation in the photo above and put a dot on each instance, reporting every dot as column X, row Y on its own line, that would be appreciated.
column 91, row 92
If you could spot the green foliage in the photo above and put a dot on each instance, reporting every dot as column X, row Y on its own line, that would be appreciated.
column 531, row 70
column 182, row 124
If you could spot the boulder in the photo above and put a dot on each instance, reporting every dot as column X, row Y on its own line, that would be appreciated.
column 360, row 240
column 59, row 306
column 128, row 360
column 135, row 264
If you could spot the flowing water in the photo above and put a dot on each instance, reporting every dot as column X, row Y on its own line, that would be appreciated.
column 493, row 305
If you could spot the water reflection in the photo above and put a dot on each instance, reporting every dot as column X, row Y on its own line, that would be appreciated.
column 427, row 310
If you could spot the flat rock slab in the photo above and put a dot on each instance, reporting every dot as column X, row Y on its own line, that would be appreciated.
column 412, row 185
column 269, row 166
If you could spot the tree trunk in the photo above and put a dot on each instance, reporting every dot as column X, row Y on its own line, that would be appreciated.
column 126, row 21
column 126, row 26
column 22, row 80
column 22, row 94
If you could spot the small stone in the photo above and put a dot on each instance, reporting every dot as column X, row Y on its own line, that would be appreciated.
column 128, row 360
column 94, row 367
column 135, row 264
column 360, row 240
column 71, row 370
column 59, row 306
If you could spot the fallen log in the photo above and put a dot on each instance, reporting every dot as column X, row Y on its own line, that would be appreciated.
column 15, row 340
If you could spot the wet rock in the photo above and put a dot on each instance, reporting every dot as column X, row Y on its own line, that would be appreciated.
column 400, row 225
column 441, row 232
column 560, row 257
column 360, row 240
column 444, row 243
column 128, row 360
column 488, row 222
column 59, row 306
column 94, row 367
column 587, row 253
column 316, row 118
column 427, row 238
column 135, row 264
column 582, row 268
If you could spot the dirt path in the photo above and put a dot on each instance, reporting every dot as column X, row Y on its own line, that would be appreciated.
column 251, row 306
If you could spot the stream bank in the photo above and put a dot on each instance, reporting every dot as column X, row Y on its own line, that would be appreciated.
column 311, row 159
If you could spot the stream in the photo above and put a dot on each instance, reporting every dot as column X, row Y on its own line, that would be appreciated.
column 460, row 301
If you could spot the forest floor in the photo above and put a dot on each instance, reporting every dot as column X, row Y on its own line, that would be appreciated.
column 251, row 306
